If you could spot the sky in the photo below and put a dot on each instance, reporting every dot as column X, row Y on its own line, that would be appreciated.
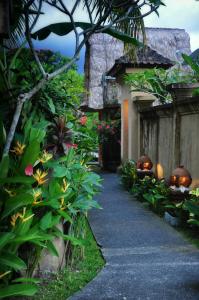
column 176, row 14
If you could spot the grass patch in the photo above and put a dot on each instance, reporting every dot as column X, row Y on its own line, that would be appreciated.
column 74, row 278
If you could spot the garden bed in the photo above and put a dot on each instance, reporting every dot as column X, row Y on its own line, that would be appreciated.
column 76, row 275
column 182, row 213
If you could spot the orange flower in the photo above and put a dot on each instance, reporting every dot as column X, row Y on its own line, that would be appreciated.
column 40, row 177
column 83, row 120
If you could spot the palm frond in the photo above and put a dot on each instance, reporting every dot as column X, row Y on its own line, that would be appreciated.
column 17, row 31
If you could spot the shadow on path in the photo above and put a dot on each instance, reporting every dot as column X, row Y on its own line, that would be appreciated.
column 145, row 257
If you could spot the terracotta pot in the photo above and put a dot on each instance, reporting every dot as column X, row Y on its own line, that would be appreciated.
column 180, row 177
column 144, row 163
column 180, row 91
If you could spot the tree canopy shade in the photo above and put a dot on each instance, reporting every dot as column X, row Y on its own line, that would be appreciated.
column 121, row 19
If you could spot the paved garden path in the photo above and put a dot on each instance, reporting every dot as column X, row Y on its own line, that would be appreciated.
column 145, row 257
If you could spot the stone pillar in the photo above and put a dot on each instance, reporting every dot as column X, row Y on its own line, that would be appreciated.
column 124, row 129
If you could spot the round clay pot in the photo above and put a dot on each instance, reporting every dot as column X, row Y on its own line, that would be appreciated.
column 144, row 163
column 180, row 177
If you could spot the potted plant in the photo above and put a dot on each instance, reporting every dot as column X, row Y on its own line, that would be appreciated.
column 188, row 85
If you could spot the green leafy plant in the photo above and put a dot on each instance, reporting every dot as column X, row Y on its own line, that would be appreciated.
column 109, row 130
column 156, row 195
column 129, row 174
column 156, row 81
column 153, row 191
column 192, row 206
column 38, row 193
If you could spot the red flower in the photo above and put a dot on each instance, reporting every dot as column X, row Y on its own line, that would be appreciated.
column 99, row 127
column 69, row 145
column 83, row 120
column 107, row 126
column 29, row 170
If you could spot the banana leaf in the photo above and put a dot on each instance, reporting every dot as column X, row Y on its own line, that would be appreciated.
column 66, row 27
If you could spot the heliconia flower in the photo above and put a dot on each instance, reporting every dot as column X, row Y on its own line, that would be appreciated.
column 62, row 204
column 45, row 157
column 18, row 149
column 83, row 120
column 65, row 186
column 14, row 219
column 40, row 177
column 69, row 145
column 29, row 170
column 21, row 216
column 37, row 194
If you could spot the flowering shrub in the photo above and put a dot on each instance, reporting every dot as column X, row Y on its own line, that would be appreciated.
column 108, row 130
column 38, row 192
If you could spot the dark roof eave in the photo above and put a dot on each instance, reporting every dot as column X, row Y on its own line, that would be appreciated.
column 120, row 68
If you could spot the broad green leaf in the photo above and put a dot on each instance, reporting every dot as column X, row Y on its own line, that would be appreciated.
column 18, row 179
column 54, row 188
column 51, row 106
column 4, row 166
column 18, row 290
column 66, row 27
column 84, row 204
column 192, row 208
column 23, row 227
column 65, row 215
column 30, row 156
column 193, row 221
column 60, row 171
column 27, row 279
column 35, row 237
column 189, row 60
column 75, row 241
column 2, row 133
column 16, row 202
column 52, row 249
column 5, row 237
column 55, row 220
column 46, row 221
column 11, row 260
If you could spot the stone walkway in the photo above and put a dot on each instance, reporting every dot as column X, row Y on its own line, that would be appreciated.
column 145, row 257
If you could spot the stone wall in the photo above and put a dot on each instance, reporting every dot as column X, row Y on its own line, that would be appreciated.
column 169, row 135
column 102, row 50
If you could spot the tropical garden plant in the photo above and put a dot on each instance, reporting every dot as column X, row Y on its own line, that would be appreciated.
column 121, row 20
column 44, row 179
column 129, row 174
column 155, row 81
column 38, row 192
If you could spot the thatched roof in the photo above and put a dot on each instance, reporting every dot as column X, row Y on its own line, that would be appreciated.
column 102, row 51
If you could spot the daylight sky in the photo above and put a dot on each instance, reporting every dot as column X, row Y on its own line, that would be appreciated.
column 176, row 14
